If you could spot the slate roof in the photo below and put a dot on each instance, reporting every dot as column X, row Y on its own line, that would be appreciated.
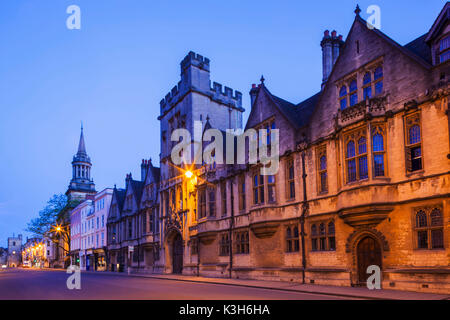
column 120, row 197
column 138, row 187
column 420, row 48
column 300, row 113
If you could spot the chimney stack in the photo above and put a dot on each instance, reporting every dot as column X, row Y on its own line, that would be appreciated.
column 143, row 169
column 331, row 48
column 253, row 93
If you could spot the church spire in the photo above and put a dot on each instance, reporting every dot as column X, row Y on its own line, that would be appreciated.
column 82, row 182
column 81, row 144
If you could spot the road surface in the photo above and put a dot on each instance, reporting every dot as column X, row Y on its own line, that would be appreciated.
column 50, row 284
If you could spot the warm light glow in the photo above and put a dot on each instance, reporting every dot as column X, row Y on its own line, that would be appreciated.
column 188, row 174
column 58, row 228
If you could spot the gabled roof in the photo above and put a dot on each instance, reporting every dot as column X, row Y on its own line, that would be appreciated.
column 137, row 188
column 154, row 171
column 297, row 114
column 301, row 112
column 120, row 197
column 420, row 48
column 439, row 23
column 393, row 43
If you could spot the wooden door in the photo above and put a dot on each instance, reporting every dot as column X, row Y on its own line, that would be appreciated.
column 369, row 253
column 177, row 254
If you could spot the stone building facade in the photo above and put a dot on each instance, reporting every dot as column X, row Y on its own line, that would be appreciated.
column 133, row 225
column 14, row 251
column 363, row 174
column 363, row 177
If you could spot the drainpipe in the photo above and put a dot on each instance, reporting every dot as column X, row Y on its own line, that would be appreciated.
column 230, row 237
column 198, row 256
column 304, row 210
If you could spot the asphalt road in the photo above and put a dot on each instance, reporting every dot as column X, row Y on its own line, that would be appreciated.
column 25, row 284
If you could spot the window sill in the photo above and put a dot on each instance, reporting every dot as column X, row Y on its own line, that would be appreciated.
column 292, row 252
column 428, row 250
column 322, row 251
column 382, row 178
column 413, row 173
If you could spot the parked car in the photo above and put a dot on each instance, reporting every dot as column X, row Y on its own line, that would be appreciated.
column 4, row 266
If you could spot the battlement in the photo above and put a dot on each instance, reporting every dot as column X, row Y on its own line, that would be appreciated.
column 195, row 77
column 195, row 59
column 227, row 94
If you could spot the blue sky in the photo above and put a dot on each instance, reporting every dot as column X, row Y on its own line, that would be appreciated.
column 113, row 72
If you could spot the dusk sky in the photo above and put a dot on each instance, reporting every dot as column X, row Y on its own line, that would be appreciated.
column 113, row 72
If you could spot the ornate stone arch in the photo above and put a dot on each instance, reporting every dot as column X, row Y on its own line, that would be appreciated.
column 359, row 233
column 352, row 243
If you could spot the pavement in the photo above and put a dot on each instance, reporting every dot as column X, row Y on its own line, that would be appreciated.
column 322, row 290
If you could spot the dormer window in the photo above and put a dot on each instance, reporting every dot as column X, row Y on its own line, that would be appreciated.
column 343, row 97
column 353, row 93
column 444, row 49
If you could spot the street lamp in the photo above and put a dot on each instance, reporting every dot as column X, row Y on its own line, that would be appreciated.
column 188, row 174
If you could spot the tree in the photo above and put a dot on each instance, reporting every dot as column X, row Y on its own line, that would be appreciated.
column 54, row 220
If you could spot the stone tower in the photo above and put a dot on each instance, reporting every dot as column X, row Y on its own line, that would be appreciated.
column 81, row 184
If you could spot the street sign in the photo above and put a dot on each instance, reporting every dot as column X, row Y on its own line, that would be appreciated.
column 130, row 248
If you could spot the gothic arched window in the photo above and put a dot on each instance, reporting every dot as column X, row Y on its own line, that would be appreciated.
column 351, row 162
column 362, row 158
column 429, row 228
column 378, row 152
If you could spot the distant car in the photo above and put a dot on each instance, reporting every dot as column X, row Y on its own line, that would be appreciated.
column 4, row 266
column 27, row 264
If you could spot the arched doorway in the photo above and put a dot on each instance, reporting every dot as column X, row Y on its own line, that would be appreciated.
column 177, row 254
column 368, row 253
